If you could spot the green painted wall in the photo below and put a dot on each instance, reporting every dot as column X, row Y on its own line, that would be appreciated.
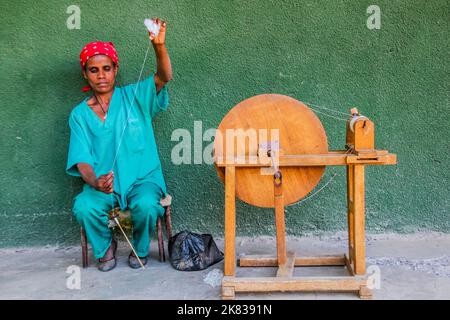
column 223, row 52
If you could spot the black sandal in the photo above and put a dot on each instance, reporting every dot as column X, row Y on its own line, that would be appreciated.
column 111, row 263
column 133, row 262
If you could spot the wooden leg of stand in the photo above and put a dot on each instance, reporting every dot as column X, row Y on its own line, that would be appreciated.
column 350, row 215
column 279, row 220
column 230, row 222
column 358, row 206
column 228, row 293
column 365, row 293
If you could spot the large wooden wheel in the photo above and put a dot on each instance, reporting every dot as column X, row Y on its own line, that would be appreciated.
column 300, row 132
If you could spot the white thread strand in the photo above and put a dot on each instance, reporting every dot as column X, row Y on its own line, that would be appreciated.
column 322, row 107
column 328, row 115
column 126, row 122
column 128, row 112
column 323, row 187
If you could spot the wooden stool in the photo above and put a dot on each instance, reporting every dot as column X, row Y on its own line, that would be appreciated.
column 162, row 255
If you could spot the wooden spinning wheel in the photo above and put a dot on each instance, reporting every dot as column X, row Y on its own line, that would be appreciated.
column 299, row 132
column 271, row 151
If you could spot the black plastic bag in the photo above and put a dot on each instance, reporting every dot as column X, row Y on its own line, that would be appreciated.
column 190, row 251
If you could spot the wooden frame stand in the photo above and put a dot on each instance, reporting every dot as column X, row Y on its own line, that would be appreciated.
column 286, row 261
column 360, row 152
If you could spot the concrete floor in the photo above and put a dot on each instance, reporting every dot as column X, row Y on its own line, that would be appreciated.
column 415, row 266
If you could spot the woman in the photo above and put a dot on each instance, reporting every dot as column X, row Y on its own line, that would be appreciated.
column 113, row 149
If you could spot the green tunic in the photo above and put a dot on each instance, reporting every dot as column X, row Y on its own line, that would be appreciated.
column 130, row 136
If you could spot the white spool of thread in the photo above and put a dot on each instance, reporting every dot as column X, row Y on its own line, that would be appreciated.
column 152, row 26
column 353, row 121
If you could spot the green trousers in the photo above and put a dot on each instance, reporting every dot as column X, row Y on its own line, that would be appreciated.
column 91, row 208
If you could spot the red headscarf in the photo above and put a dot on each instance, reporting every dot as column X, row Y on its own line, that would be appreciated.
column 94, row 48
